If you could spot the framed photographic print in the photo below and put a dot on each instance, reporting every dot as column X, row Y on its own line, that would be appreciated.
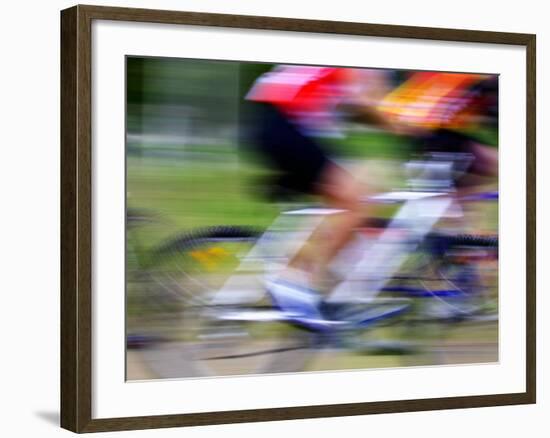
column 268, row 218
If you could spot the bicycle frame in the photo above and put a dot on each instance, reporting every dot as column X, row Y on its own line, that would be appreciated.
column 431, row 199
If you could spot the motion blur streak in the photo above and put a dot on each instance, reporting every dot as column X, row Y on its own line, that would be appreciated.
column 286, row 218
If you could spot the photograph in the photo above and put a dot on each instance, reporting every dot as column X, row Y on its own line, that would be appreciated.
column 287, row 218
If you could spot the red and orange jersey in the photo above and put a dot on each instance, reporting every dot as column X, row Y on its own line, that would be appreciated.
column 433, row 100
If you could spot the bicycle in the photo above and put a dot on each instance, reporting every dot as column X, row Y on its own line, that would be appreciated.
column 222, row 320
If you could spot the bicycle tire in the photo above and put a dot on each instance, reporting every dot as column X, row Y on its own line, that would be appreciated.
column 462, row 326
column 198, row 338
column 462, row 263
column 435, row 271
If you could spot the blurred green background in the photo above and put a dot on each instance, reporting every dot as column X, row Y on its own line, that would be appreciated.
column 187, row 159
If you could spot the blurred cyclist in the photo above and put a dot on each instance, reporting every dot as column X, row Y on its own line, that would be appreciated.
column 302, row 109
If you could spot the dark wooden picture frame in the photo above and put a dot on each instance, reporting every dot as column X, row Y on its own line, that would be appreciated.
column 76, row 217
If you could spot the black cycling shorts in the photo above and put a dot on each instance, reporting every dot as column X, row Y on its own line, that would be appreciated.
column 297, row 160
column 446, row 140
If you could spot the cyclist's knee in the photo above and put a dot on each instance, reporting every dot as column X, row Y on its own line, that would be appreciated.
column 340, row 188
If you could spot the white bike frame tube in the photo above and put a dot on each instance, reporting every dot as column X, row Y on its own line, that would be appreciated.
column 270, row 255
column 383, row 258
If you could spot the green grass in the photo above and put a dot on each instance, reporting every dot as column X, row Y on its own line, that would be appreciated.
column 224, row 190
column 187, row 196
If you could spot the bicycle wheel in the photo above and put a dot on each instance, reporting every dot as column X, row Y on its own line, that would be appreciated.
column 455, row 318
column 452, row 276
column 467, row 269
column 201, row 329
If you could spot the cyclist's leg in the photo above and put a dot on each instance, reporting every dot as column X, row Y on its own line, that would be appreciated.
column 303, row 166
column 486, row 159
column 339, row 189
